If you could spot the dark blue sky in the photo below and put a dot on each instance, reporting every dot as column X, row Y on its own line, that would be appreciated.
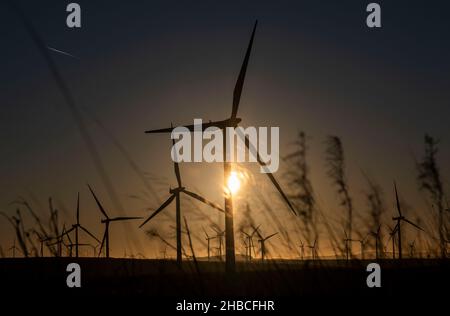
column 315, row 67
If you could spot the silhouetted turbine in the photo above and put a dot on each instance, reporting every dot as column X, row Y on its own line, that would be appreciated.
column 208, row 239
column 399, row 219
column 250, row 244
column 107, row 220
column 77, row 226
column 175, row 195
column 263, row 245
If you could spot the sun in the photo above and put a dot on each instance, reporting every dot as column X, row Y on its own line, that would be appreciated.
column 233, row 182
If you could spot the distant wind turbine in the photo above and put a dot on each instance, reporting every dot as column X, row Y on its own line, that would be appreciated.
column 250, row 245
column 175, row 194
column 399, row 220
column 77, row 226
column 313, row 249
column 208, row 240
column 262, row 241
column 107, row 220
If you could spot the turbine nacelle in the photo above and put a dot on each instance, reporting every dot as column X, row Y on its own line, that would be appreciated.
column 176, row 190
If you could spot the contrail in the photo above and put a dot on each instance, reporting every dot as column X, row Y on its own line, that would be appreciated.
column 62, row 52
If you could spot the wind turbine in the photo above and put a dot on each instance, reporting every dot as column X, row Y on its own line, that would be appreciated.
column 362, row 244
column 412, row 248
column 219, row 235
column 164, row 252
column 233, row 122
column 302, row 249
column 60, row 241
column 263, row 245
column 313, row 249
column 399, row 219
column 175, row 194
column 13, row 248
column 107, row 220
column 208, row 239
column 77, row 226
column 377, row 239
column 392, row 232
column 347, row 242
column 42, row 240
column 249, row 238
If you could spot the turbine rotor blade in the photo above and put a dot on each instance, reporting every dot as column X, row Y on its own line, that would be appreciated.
column 241, row 78
column 164, row 205
column 255, row 229
column 206, row 234
column 175, row 165
column 89, row 233
column 396, row 199
column 65, row 232
column 78, row 209
column 98, row 202
column 68, row 236
column 413, row 224
column 203, row 200
column 124, row 218
column 269, row 174
column 270, row 236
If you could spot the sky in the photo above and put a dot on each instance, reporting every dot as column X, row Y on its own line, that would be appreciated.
column 315, row 67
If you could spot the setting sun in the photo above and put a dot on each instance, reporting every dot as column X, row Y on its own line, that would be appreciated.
column 233, row 182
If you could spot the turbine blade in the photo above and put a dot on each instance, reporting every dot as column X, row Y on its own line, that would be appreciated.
column 89, row 233
column 176, row 167
column 269, row 174
column 255, row 229
column 167, row 202
column 161, row 130
column 78, row 209
column 270, row 236
column 203, row 200
column 98, row 202
column 413, row 224
column 65, row 232
column 396, row 199
column 124, row 218
column 241, row 78
column 68, row 236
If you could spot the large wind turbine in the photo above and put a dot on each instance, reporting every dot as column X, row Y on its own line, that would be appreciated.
column 233, row 122
column 79, row 226
column 107, row 220
column 175, row 194
column 399, row 219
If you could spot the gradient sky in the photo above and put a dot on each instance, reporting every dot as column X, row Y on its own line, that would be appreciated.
column 315, row 67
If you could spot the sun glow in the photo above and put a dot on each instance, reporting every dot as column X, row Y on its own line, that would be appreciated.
column 233, row 183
